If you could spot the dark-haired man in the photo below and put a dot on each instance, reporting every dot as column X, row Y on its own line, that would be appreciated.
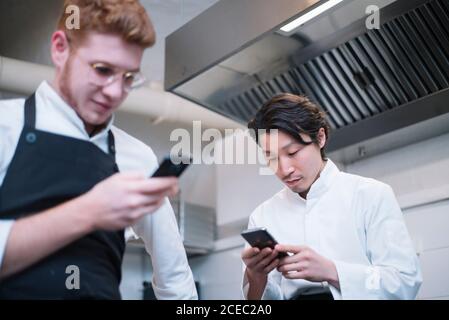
column 345, row 234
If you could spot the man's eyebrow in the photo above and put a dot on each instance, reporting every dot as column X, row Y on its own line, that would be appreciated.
column 284, row 147
column 109, row 65
column 288, row 145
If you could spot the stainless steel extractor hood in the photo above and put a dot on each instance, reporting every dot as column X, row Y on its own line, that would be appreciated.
column 233, row 57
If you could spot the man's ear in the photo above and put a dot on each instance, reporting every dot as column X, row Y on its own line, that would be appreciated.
column 60, row 49
column 322, row 138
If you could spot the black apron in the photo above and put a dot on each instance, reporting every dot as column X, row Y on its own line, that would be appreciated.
column 316, row 296
column 48, row 169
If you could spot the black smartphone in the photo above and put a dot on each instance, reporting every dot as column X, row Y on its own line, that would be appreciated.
column 169, row 169
column 261, row 238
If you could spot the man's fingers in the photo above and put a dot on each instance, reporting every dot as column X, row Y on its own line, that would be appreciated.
column 271, row 266
column 290, row 267
column 267, row 261
column 139, row 201
column 147, row 200
column 250, row 252
column 131, row 175
column 295, row 275
column 155, row 185
column 291, row 259
column 174, row 190
column 166, row 193
column 289, row 248
column 144, row 210
column 259, row 257
column 254, row 261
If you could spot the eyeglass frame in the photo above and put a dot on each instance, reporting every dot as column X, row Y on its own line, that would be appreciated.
column 112, row 78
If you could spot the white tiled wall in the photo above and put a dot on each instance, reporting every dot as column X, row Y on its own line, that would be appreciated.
column 428, row 226
column 435, row 266
column 419, row 175
column 219, row 274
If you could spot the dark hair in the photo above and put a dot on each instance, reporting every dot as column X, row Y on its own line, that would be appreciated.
column 291, row 114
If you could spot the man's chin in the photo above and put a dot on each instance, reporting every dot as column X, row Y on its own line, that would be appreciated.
column 297, row 189
column 95, row 121
column 97, row 118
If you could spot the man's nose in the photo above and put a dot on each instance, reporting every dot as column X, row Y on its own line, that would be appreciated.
column 285, row 167
column 114, row 90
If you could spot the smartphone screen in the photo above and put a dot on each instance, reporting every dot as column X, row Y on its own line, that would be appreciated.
column 170, row 169
column 261, row 238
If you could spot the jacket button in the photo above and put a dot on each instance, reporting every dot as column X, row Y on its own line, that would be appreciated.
column 30, row 137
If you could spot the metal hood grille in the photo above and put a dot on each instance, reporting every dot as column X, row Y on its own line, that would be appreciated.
column 371, row 83
column 382, row 69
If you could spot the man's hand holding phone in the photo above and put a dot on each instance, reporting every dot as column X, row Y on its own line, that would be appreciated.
column 168, row 168
column 262, row 257
column 260, row 262
column 307, row 264
column 124, row 198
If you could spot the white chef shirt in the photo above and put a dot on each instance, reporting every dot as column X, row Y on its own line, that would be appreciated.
column 172, row 277
column 354, row 221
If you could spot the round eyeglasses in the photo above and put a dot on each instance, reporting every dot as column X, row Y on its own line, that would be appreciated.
column 102, row 74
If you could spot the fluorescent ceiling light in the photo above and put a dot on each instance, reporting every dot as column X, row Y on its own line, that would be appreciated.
column 310, row 15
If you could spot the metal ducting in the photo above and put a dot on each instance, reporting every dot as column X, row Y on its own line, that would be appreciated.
column 369, row 82
column 23, row 78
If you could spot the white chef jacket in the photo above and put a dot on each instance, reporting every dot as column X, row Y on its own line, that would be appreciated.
column 354, row 221
column 172, row 277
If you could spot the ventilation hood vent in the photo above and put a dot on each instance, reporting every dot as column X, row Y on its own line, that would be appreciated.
column 369, row 82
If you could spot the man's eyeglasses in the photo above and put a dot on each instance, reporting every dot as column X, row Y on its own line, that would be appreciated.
column 102, row 74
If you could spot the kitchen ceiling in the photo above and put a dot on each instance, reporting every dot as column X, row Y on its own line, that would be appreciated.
column 369, row 82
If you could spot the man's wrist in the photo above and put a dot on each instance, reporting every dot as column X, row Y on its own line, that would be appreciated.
column 332, row 277
column 256, row 277
column 257, row 283
column 84, row 211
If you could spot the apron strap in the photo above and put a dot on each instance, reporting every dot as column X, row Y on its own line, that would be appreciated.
column 111, row 144
column 30, row 111
column 30, row 121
